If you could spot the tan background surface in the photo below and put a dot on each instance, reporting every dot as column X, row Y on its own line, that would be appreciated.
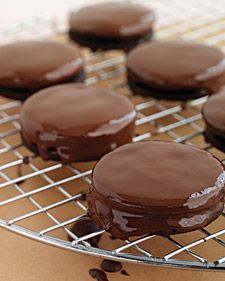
column 26, row 260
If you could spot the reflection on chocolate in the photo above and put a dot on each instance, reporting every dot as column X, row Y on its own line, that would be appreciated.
column 199, row 69
column 98, row 274
column 111, row 266
column 75, row 122
column 27, row 66
column 157, row 193
column 83, row 227
column 124, row 272
column 214, row 116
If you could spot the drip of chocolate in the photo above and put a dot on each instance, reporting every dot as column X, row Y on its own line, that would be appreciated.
column 83, row 196
column 124, row 272
column 83, row 227
column 98, row 274
column 111, row 266
column 26, row 160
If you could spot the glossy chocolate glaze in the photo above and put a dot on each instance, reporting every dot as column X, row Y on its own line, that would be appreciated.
column 74, row 122
column 214, row 116
column 35, row 64
column 214, row 113
column 113, row 20
column 153, row 187
column 177, row 65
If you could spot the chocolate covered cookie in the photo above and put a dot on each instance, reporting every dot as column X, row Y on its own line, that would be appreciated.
column 111, row 25
column 74, row 122
column 214, row 116
column 28, row 66
column 156, row 187
column 175, row 70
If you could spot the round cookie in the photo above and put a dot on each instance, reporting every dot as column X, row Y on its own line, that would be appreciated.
column 111, row 25
column 214, row 116
column 74, row 122
column 175, row 70
column 153, row 188
column 28, row 66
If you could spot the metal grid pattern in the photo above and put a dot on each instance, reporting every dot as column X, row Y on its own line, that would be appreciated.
column 42, row 200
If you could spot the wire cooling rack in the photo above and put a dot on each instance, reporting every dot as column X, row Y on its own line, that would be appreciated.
column 42, row 200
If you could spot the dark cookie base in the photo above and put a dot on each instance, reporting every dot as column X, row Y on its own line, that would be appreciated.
column 22, row 94
column 138, row 88
column 106, row 43
column 215, row 140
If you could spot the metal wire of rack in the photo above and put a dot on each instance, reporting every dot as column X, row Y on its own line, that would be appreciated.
column 41, row 200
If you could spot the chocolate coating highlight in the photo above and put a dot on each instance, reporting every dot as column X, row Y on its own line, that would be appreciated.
column 175, row 70
column 74, row 122
column 111, row 25
column 153, row 188
column 27, row 66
